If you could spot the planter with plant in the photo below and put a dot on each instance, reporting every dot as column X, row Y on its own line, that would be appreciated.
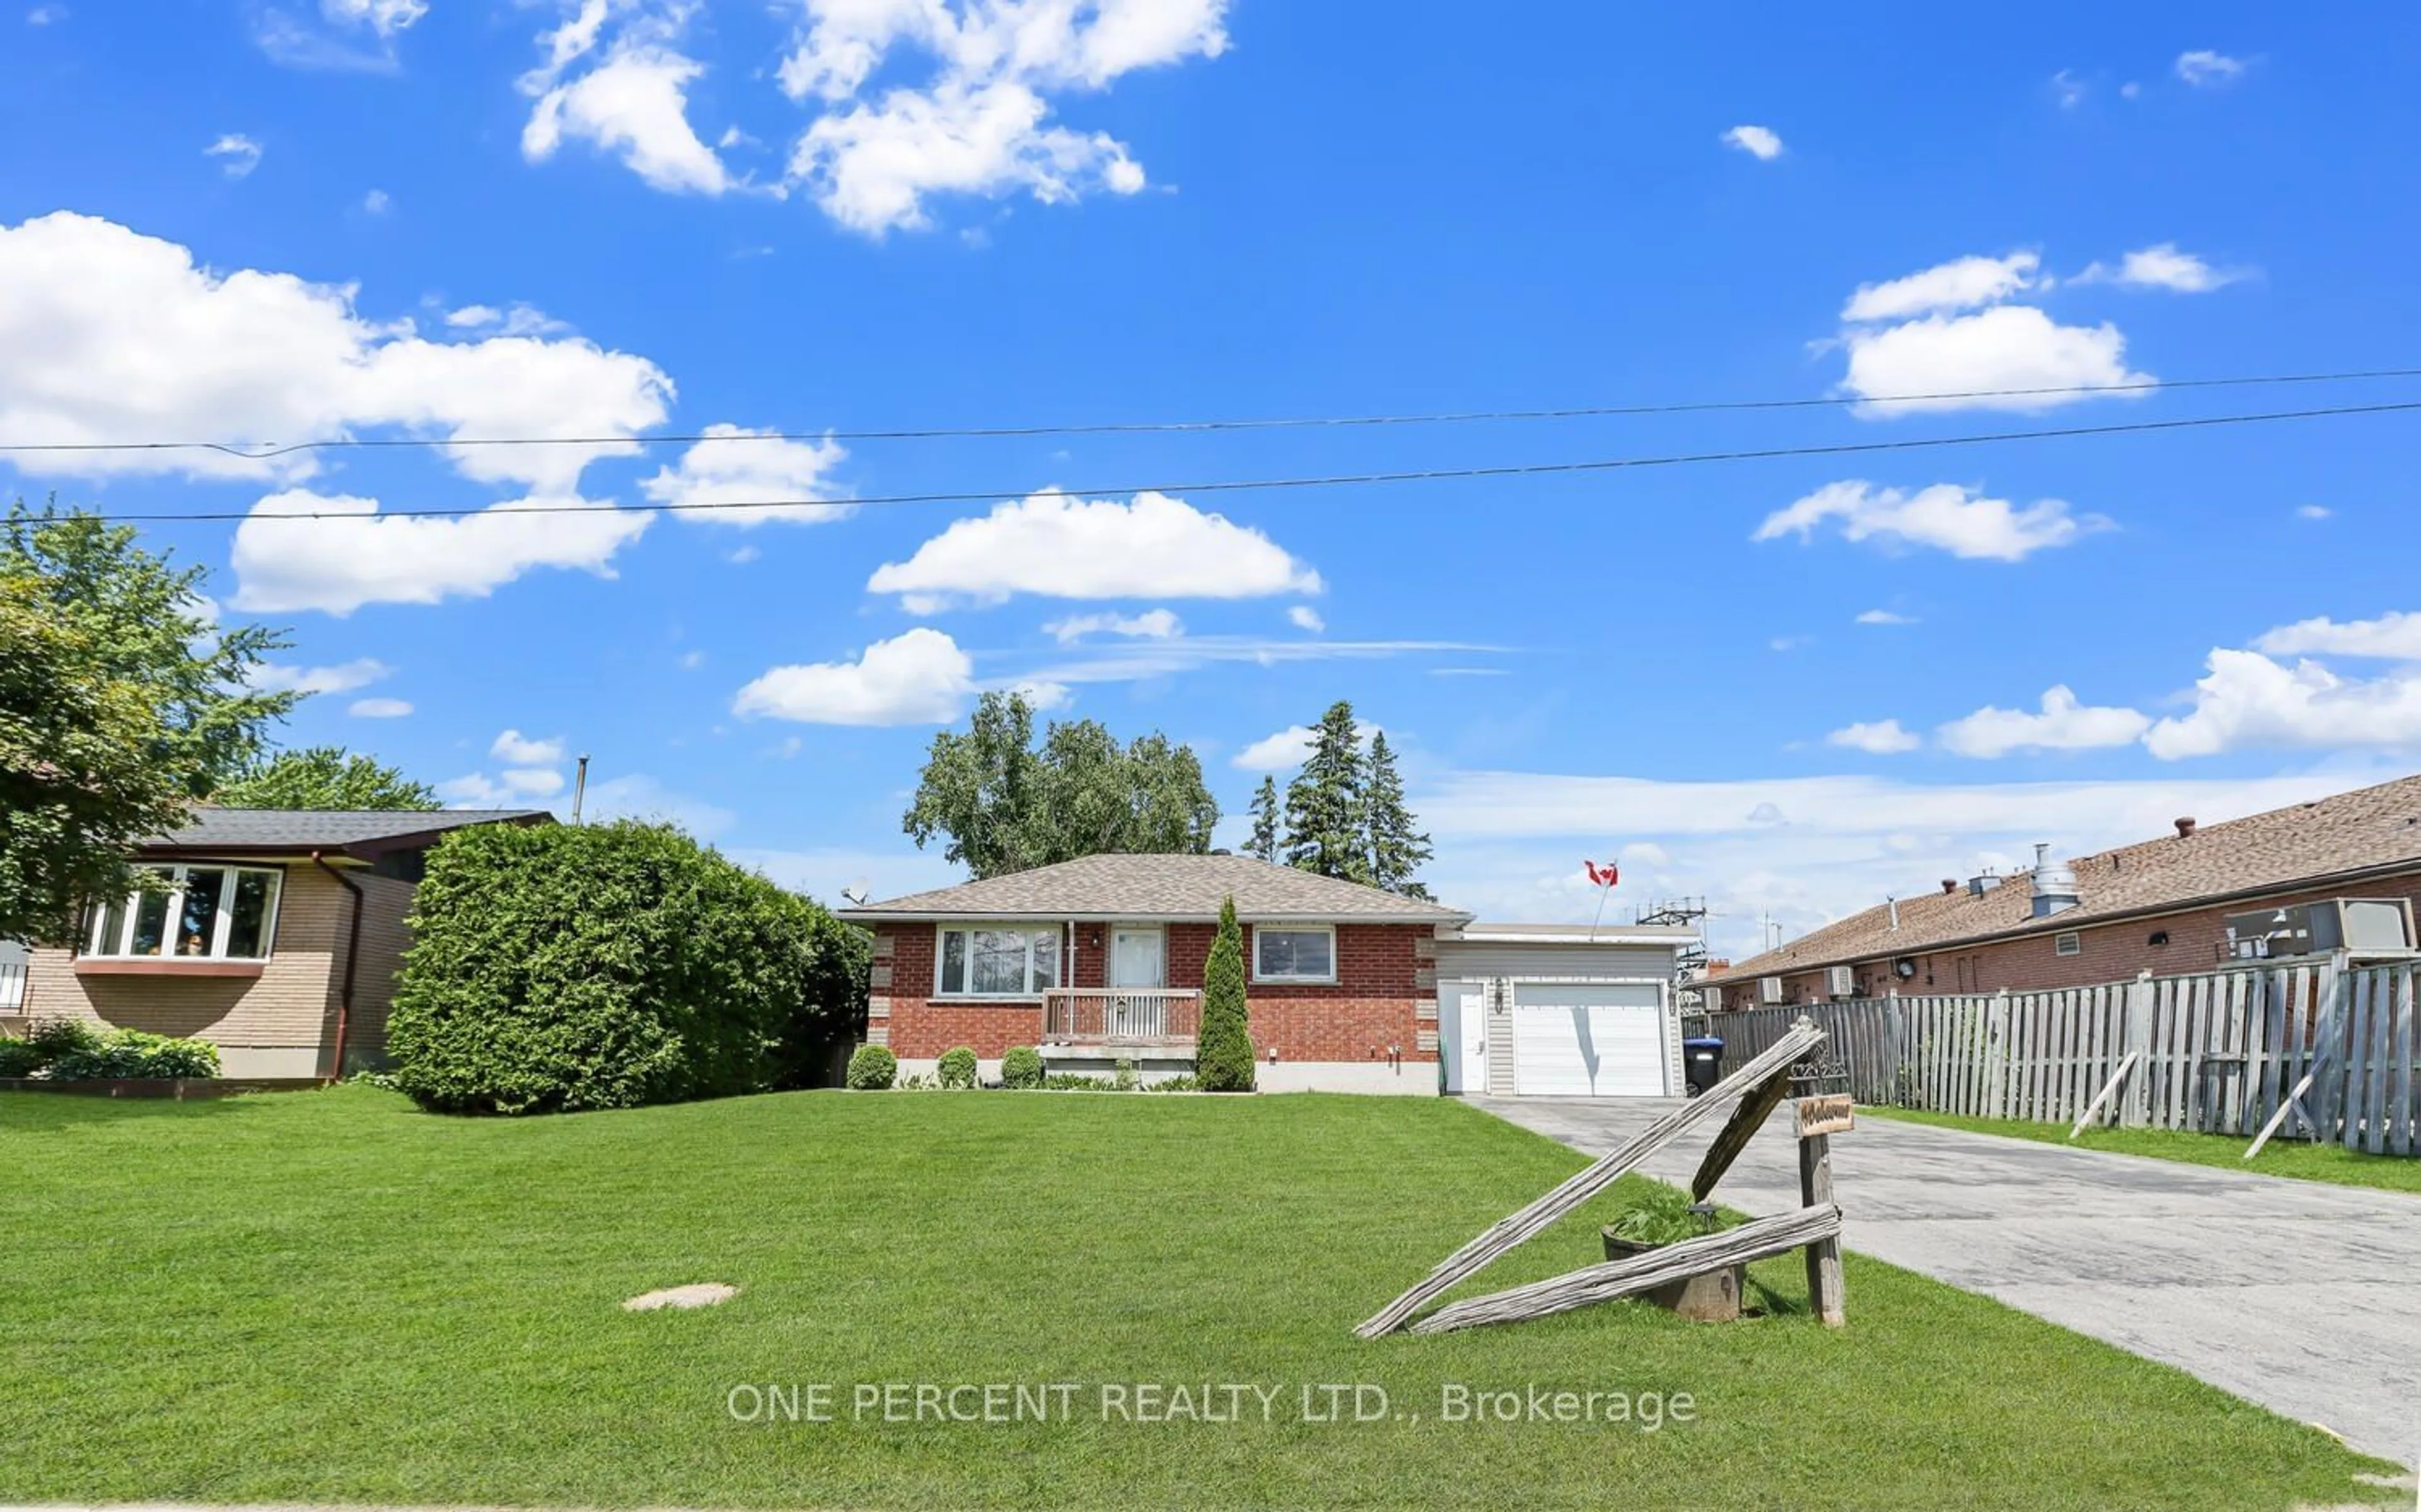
column 1665, row 1216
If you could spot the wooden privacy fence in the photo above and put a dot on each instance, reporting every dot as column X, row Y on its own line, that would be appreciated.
column 2315, row 1050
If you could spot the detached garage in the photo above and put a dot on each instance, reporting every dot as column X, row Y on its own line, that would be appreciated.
column 1558, row 1011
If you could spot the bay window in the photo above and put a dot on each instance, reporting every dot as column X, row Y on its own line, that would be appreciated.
column 1001, row 960
column 197, row 913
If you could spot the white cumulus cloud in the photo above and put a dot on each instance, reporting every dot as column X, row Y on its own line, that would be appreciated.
column 1945, row 516
column 516, row 749
column 2246, row 700
column 1759, row 142
column 353, row 556
column 344, row 677
column 1055, row 545
column 918, row 677
column 378, row 709
column 1962, row 284
column 627, row 97
column 2062, row 724
column 981, row 121
column 1304, row 616
column 116, row 337
column 1885, row 617
column 2162, row 266
column 2207, row 69
column 1152, row 624
column 1879, row 737
column 2393, row 636
column 2008, row 347
column 742, row 472
column 237, row 155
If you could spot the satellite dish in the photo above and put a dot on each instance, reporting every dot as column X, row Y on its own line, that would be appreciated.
column 855, row 892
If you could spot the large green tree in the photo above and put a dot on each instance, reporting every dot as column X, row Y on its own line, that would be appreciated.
column 1266, row 818
column 1004, row 805
column 1325, row 828
column 121, row 702
column 324, row 776
column 1398, row 847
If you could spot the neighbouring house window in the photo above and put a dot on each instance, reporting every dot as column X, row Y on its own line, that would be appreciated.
column 2067, row 942
column 197, row 913
column 1294, row 954
column 1014, row 961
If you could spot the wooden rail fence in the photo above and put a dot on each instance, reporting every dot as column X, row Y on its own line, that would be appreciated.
column 2315, row 1050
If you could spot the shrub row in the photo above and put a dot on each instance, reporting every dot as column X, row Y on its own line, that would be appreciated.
column 560, row 968
column 67, row 1050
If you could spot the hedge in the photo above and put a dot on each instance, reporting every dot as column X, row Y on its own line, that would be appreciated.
column 873, row 1069
column 558, row 968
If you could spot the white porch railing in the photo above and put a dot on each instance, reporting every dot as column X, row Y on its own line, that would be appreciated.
column 1103, row 1014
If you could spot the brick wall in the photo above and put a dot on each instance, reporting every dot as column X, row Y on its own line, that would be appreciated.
column 1371, row 1008
column 2111, row 951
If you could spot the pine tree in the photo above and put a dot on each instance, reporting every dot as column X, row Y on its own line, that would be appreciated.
column 1223, row 1046
column 1264, row 843
column 1396, row 849
column 1323, row 807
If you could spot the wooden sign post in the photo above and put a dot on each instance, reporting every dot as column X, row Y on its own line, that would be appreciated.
column 1820, row 1118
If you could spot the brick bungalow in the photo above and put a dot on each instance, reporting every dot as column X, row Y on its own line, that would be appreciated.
column 1101, row 959
column 2342, row 872
column 277, row 939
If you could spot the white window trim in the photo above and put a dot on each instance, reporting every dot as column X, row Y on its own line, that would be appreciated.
column 222, row 925
column 1029, row 929
column 1334, row 963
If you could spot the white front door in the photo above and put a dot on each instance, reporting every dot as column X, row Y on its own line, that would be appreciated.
column 1589, row 1040
column 1138, row 957
column 1462, row 1029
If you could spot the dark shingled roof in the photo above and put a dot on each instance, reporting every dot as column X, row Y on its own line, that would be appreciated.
column 362, row 833
column 2370, row 830
column 1160, row 887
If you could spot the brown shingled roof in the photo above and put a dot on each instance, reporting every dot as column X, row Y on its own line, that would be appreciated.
column 2371, row 829
column 1160, row 887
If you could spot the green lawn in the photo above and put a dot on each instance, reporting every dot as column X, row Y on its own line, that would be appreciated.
column 2280, row 1157
column 329, row 1297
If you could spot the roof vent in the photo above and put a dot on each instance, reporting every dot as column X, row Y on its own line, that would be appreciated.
column 1949, row 885
column 2186, row 828
column 1981, row 883
column 2054, row 885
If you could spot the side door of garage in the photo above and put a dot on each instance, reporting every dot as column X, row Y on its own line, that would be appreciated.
column 1589, row 1040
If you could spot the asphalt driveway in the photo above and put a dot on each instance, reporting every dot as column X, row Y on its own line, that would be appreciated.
column 2301, row 1296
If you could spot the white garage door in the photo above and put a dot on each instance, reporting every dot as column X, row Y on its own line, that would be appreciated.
column 1591, row 1039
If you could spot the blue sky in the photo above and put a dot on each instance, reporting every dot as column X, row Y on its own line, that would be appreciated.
column 1792, row 684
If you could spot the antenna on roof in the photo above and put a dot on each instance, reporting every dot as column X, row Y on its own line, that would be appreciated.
column 579, row 788
column 855, row 893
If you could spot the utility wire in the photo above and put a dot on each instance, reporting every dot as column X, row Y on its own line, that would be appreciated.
column 1336, row 479
column 266, row 451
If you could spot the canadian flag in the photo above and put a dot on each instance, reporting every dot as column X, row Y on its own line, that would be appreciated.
column 1606, row 876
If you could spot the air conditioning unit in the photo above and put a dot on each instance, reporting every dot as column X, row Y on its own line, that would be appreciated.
column 1769, row 990
column 2358, row 925
column 1841, row 981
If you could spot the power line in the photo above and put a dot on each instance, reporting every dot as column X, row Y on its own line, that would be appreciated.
column 258, row 452
column 1334, row 479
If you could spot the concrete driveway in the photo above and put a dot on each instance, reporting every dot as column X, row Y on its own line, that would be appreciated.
column 2302, row 1297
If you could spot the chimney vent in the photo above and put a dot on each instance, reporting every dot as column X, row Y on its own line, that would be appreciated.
column 2186, row 828
column 1949, row 885
column 2054, row 885
column 1894, row 912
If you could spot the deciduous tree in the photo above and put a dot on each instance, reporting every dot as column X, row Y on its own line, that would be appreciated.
column 324, row 776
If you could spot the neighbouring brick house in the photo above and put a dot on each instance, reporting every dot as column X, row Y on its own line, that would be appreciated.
column 277, row 939
column 2341, row 872
column 1101, row 958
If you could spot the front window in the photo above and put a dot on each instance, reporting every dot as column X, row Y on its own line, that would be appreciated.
column 1017, row 960
column 193, row 913
column 1294, row 954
